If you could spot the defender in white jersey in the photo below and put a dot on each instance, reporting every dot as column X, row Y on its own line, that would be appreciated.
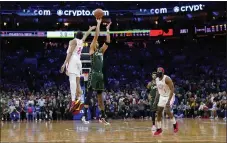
column 73, row 64
column 166, row 91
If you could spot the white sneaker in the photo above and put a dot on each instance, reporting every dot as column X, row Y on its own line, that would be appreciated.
column 84, row 120
column 104, row 121
column 211, row 117
column 224, row 119
column 153, row 128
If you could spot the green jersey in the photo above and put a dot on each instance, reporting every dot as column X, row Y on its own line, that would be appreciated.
column 153, row 92
column 97, row 61
column 96, row 80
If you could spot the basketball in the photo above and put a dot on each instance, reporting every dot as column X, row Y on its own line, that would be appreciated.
column 98, row 13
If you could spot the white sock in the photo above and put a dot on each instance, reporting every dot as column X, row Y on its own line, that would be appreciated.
column 72, row 81
column 159, row 124
column 173, row 120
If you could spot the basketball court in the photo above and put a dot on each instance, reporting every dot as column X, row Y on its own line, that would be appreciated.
column 191, row 130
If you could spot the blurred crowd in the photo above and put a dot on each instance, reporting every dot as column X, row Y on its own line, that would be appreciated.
column 33, row 89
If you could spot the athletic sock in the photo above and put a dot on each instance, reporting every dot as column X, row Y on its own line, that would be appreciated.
column 85, row 114
column 159, row 125
column 173, row 120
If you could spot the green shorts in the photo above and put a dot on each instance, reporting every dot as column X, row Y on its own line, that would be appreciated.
column 96, row 81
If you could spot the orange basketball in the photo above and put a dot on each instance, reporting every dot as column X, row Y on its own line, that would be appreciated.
column 98, row 13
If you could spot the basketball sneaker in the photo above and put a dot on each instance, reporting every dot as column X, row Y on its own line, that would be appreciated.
column 72, row 105
column 76, row 105
column 158, row 132
column 175, row 128
column 104, row 121
column 84, row 120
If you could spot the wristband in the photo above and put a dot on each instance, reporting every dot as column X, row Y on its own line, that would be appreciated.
column 108, row 31
column 107, row 43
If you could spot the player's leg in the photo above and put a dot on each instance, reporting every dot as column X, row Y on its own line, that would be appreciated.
column 101, row 103
column 153, row 120
column 170, row 114
column 88, row 96
column 172, row 118
column 72, row 82
column 78, row 74
column 161, row 105
column 73, row 88
column 102, row 107
column 159, row 121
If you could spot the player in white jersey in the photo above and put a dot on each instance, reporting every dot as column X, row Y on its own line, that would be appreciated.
column 73, row 64
column 166, row 91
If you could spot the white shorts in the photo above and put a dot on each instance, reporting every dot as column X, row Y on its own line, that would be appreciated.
column 74, row 67
column 164, row 99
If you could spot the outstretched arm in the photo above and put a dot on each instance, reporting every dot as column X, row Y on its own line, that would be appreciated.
column 95, row 39
column 72, row 46
column 88, row 32
column 105, row 45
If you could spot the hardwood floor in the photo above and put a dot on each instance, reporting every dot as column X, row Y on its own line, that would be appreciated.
column 191, row 130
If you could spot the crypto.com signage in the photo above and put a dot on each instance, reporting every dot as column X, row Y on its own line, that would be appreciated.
column 66, row 12
column 175, row 9
column 189, row 8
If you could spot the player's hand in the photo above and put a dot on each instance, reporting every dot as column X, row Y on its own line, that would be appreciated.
column 108, row 26
column 92, row 27
column 62, row 68
column 99, row 20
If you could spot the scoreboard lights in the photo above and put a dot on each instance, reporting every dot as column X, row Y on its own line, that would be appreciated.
column 155, row 33
column 131, row 33
column 60, row 34
column 211, row 29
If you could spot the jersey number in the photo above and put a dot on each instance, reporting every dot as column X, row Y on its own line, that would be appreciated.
column 79, row 51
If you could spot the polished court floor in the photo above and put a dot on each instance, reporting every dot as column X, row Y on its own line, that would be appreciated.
column 191, row 130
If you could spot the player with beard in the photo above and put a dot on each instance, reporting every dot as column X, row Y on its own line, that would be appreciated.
column 166, row 91
column 95, row 79
column 153, row 98
column 74, row 66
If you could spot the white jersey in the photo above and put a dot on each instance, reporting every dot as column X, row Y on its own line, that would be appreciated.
column 75, row 66
column 163, row 88
column 77, row 51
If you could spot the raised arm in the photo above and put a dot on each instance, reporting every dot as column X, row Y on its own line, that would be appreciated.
column 88, row 32
column 72, row 46
column 105, row 45
column 95, row 39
